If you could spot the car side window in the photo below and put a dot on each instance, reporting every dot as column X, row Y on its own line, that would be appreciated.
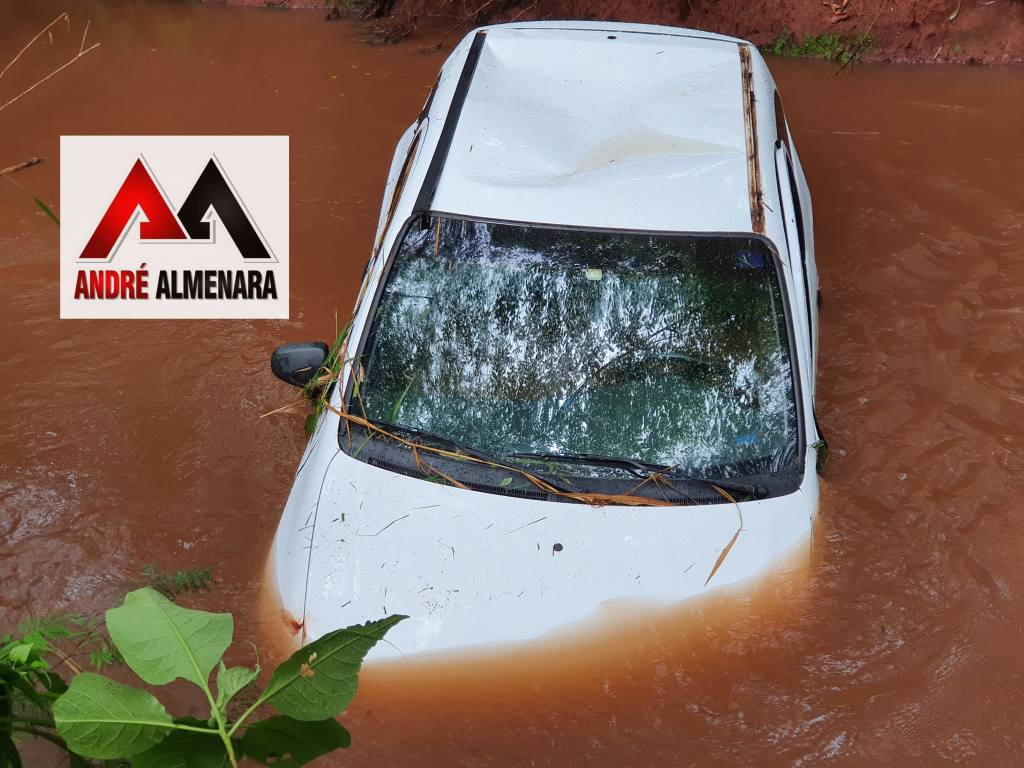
column 782, row 134
column 781, row 127
column 783, row 140
column 797, row 210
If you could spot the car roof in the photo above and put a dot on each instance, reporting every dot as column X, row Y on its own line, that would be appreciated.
column 598, row 125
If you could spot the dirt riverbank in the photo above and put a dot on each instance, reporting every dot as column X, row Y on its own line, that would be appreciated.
column 961, row 31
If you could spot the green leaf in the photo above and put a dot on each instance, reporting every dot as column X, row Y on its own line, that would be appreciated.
column 46, row 209
column 183, row 749
column 162, row 641
column 821, row 457
column 506, row 482
column 231, row 681
column 282, row 741
column 100, row 718
column 319, row 681
column 19, row 653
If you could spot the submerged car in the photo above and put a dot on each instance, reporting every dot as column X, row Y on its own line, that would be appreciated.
column 582, row 362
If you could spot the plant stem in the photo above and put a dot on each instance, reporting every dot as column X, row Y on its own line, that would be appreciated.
column 222, row 731
column 193, row 728
column 42, row 735
column 28, row 720
column 224, row 737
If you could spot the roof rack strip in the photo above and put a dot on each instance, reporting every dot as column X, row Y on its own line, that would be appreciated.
column 750, row 123
column 451, row 121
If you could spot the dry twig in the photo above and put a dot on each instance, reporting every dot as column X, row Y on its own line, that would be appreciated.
column 855, row 53
column 82, row 50
column 21, row 166
column 28, row 45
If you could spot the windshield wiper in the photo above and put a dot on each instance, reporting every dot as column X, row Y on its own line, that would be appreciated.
column 635, row 467
column 726, row 484
column 645, row 469
column 440, row 440
column 454, row 445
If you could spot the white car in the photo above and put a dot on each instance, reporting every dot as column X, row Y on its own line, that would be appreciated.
column 582, row 362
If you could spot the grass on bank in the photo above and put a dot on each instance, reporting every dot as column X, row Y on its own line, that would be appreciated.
column 829, row 46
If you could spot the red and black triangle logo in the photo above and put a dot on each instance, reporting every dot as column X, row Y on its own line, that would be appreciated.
column 140, row 192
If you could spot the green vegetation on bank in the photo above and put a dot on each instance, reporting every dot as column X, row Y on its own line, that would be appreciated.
column 171, row 585
column 829, row 46
column 98, row 721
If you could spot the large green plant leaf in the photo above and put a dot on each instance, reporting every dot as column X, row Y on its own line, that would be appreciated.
column 100, row 718
column 162, row 641
column 184, row 749
column 319, row 681
column 231, row 681
column 282, row 741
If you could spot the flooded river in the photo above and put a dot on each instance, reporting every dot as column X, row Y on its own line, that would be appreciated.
column 129, row 443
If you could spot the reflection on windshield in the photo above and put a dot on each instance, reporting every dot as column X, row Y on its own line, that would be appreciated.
column 517, row 339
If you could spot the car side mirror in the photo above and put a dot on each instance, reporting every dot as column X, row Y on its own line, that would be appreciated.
column 297, row 364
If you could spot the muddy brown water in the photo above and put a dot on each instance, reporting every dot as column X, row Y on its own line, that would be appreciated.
column 129, row 443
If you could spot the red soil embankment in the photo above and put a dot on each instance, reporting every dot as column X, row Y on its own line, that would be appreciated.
column 964, row 31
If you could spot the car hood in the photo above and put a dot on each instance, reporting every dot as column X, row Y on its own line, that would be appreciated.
column 357, row 542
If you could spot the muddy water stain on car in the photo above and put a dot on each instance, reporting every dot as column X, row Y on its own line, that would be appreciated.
column 126, row 443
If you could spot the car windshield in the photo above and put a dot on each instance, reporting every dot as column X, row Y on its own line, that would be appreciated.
column 516, row 339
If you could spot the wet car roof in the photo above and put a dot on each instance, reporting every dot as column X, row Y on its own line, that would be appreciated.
column 602, row 126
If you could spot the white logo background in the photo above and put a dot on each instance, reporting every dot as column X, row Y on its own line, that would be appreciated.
column 92, row 170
